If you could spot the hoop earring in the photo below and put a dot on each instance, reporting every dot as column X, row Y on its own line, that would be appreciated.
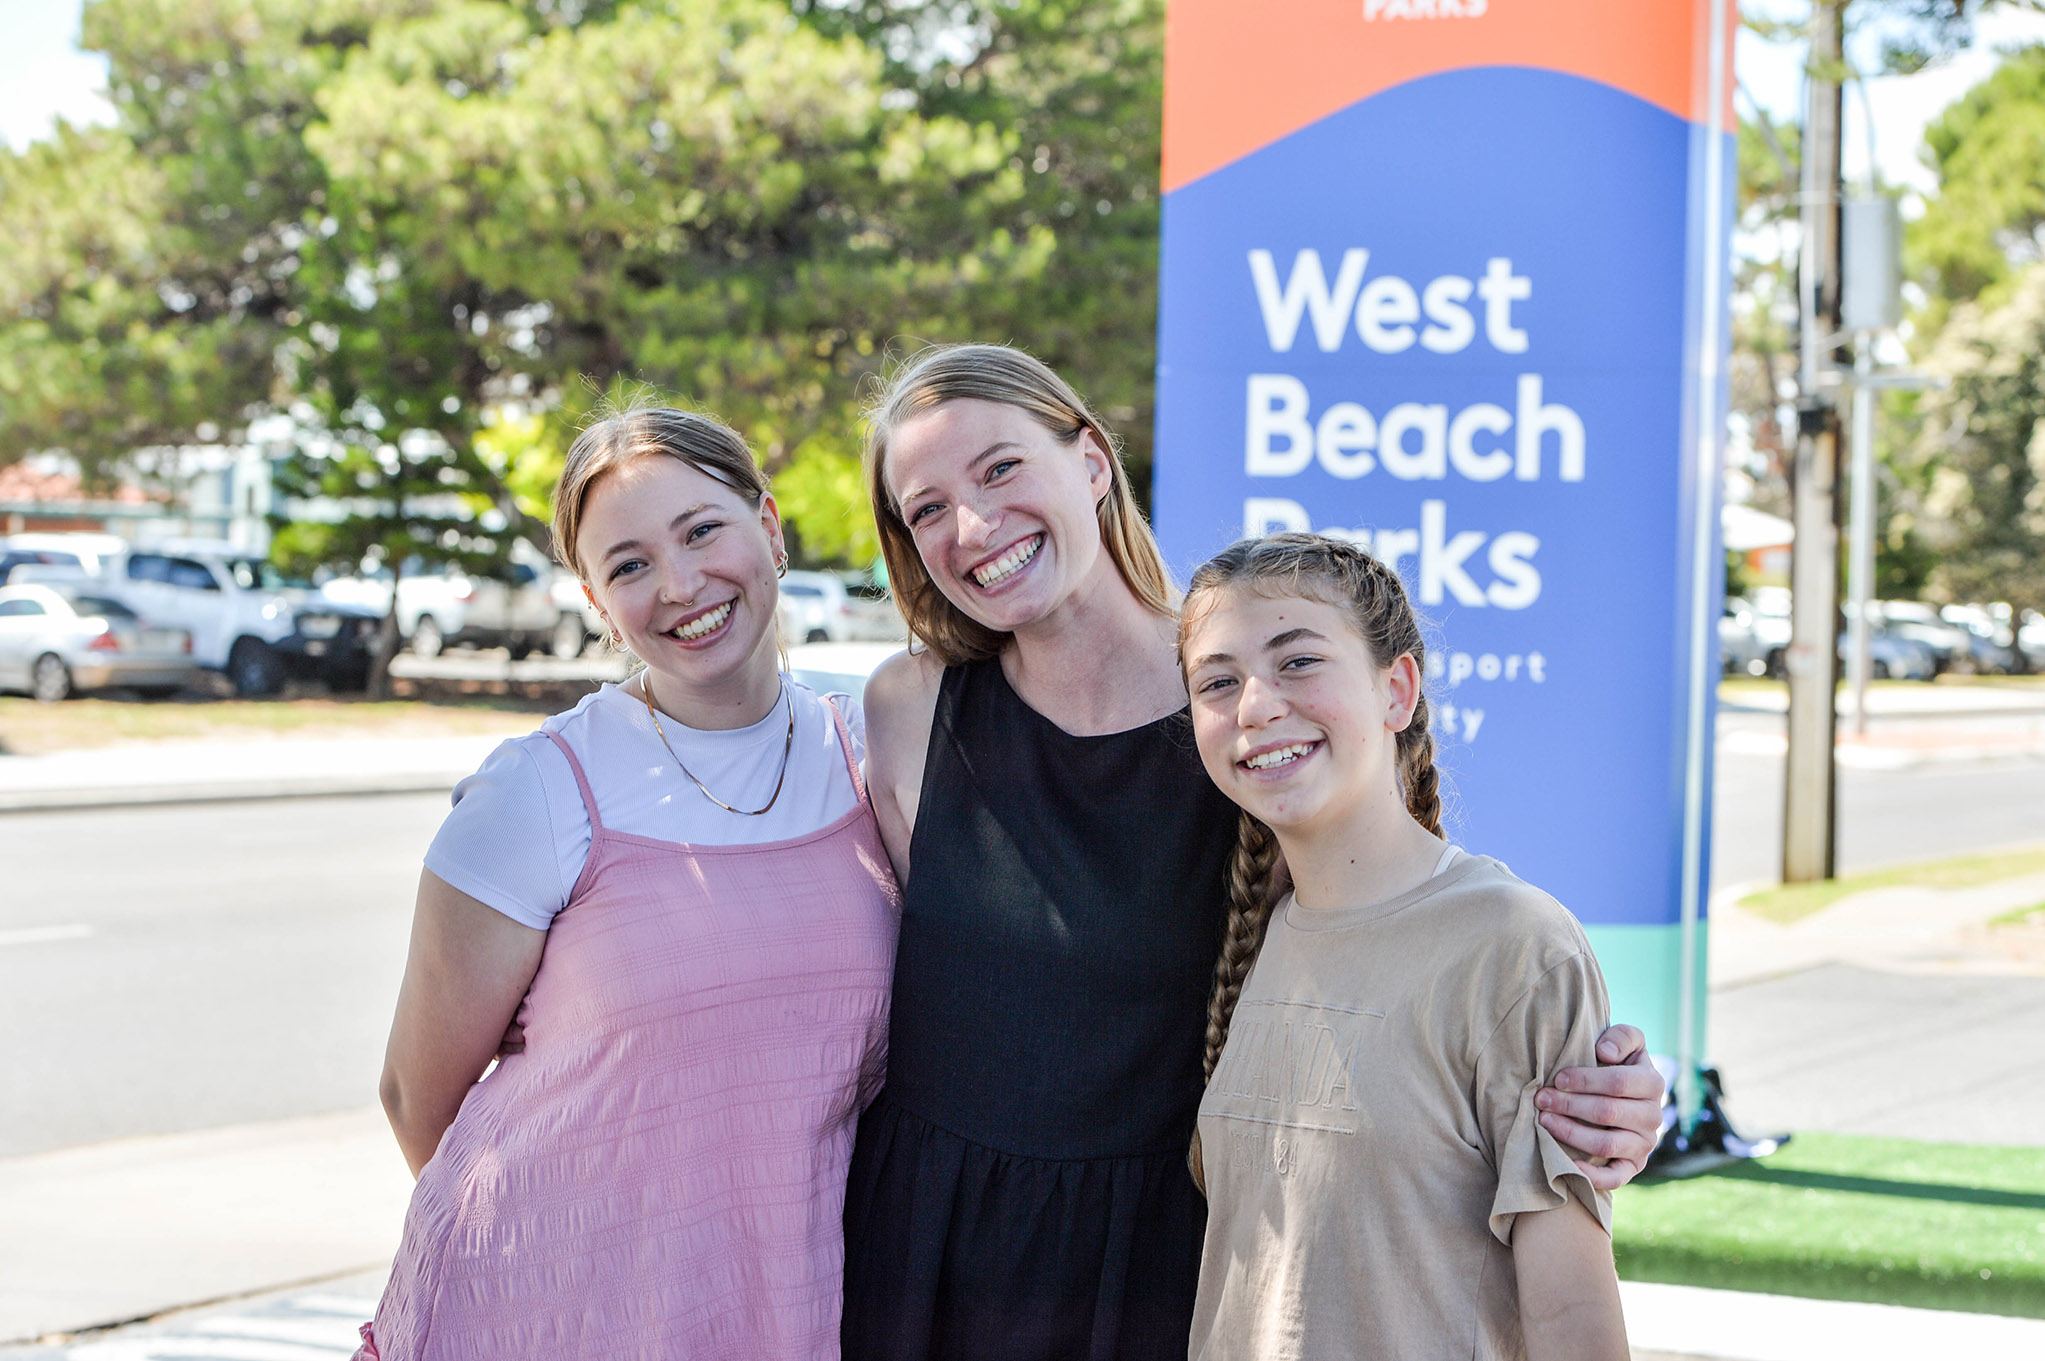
column 615, row 638
column 781, row 567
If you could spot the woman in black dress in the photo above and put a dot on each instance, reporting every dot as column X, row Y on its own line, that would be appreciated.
column 1019, row 1190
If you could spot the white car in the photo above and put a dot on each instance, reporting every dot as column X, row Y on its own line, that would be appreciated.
column 56, row 641
column 838, row 668
column 815, row 608
column 82, row 554
column 569, row 598
column 247, row 620
column 441, row 606
column 818, row 607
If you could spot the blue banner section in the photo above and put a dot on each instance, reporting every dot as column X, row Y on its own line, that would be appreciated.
column 1457, row 322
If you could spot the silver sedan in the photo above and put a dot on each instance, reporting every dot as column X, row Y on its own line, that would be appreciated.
column 56, row 641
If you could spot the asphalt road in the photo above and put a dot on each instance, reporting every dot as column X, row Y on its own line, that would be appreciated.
column 201, row 965
column 178, row 968
column 1886, row 817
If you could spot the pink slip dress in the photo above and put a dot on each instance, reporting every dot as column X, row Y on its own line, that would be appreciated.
column 661, row 1173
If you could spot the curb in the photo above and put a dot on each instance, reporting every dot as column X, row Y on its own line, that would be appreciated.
column 225, row 791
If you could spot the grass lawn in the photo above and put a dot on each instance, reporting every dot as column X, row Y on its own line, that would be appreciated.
column 1891, row 1221
column 2034, row 915
column 27, row 727
column 1787, row 902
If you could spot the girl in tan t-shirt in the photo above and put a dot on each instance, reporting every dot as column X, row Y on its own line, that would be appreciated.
column 1379, row 1183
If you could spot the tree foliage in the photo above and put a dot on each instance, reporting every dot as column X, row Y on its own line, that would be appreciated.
column 1987, row 221
column 1977, row 465
column 1959, row 247
column 419, row 226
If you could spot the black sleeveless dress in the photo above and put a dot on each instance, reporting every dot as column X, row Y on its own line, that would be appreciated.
column 1019, row 1190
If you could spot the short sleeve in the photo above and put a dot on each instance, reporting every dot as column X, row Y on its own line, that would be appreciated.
column 503, row 842
column 855, row 721
column 1554, row 1025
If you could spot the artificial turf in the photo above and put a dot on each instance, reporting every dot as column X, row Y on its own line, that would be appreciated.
column 1892, row 1221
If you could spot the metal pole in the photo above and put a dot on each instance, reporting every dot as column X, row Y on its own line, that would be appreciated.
column 1813, row 658
column 1704, row 573
column 1861, row 533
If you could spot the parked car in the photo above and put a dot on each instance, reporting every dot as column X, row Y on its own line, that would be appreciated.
column 571, row 599
column 442, row 606
column 838, row 668
column 822, row 607
column 247, row 620
column 1890, row 656
column 1951, row 647
column 82, row 554
column 57, row 641
column 814, row 608
column 1750, row 643
column 2030, row 638
column 1992, row 639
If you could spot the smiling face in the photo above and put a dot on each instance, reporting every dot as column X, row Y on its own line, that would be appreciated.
column 1001, row 511
column 684, row 568
column 1294, row 718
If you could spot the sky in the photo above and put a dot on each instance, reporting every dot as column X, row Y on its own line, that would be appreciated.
column 43, row 76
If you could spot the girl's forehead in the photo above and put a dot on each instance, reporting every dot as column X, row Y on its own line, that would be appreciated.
column 1259, row 600
column 652, row 482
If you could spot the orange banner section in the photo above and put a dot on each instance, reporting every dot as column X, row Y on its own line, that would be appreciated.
column 1240, row 74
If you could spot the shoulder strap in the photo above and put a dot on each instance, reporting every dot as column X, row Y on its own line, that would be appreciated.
column 596, row 824
column 845, row 749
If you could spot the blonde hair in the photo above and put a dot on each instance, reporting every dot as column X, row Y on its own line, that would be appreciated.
column 994, row 373
column 709, row 446
column 1336, row 573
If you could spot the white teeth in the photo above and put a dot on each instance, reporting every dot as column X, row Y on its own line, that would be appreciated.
column 1279, row 757
column 1008, row 563
column 703, row 623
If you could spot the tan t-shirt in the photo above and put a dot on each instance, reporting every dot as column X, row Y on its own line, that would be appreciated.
column 1369, row 1134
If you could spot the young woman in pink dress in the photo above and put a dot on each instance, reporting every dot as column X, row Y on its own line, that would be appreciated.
column 679, row 892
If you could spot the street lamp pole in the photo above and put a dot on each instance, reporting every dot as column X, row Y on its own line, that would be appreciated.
column 1813, row 658
column 1861, row 535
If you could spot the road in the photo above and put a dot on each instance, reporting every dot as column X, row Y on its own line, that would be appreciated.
column 1886, row 817
column 183, row 968
column 201, row 965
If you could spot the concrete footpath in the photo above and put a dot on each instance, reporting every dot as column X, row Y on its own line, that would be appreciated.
column 264, row 768
column 319, row 1320
column 113, row 1232
column 1909, row 726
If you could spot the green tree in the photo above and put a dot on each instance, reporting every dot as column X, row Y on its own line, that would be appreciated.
column 1974, row 475
column 1988, row 220
column 1764, row 305
column 1072, row 94
column 399, row 220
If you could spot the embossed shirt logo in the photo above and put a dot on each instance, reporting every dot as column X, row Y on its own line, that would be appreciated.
column 1294, row 1064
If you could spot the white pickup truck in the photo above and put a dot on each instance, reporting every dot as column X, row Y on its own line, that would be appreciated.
column 246, row 619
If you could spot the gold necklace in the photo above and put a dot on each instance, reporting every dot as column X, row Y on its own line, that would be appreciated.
column 646, row 693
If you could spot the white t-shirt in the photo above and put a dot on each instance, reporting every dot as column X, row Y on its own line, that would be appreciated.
column 518, row 835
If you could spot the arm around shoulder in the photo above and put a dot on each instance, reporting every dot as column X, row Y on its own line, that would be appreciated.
column 900, row 706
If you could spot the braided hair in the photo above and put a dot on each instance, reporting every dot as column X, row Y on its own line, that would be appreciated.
column 1337, row 573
